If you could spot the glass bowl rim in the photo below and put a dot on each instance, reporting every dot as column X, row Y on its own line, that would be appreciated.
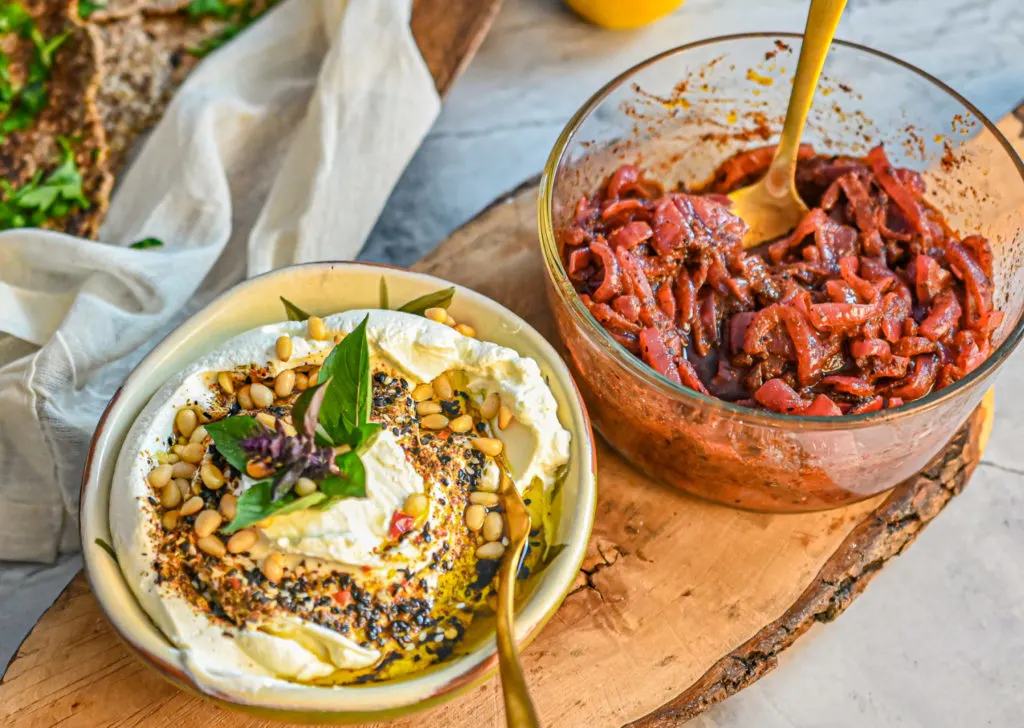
column 636, row 367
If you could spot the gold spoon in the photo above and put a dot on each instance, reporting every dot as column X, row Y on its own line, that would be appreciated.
column 772, row 207
column 519, row 712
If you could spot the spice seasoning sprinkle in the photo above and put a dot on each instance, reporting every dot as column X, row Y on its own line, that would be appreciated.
column 413, row 617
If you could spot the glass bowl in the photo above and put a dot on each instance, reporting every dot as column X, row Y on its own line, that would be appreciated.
column 678, row 115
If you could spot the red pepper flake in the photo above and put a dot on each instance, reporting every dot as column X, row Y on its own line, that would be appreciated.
column 234, row 583
column 443, row 434
column 343, row 597
column 400, row 523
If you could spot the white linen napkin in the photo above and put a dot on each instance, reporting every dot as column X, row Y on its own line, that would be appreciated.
column 281, row 147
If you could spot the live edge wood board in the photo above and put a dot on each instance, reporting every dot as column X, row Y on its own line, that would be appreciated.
column 680, row 603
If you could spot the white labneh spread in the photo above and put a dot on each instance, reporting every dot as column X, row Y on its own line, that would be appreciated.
column 352, row 534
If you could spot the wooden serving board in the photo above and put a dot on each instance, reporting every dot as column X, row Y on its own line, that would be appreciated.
column 680, row 602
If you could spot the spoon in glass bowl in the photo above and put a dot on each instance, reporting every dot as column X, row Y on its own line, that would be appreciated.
column 519, row 712
column 771, row 207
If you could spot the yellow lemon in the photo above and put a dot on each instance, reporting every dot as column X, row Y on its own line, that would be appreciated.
column 621, row 14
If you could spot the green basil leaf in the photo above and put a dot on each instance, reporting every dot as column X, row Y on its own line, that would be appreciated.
column 306, row 410
column 227, row 437
column 384, row 293
column 293, row 312
column 322, row 438
column 299, row 504
column 253, row 506
column 147, row 243
column 352, row 481
column 348, row 400
column 437, row 299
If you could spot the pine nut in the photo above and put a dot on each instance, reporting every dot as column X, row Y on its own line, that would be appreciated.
column 488, row 485
column 258, row 469
column 317, row 328
column 483, row 498
column 170, row 496
column 184, row 487
column 466, row 330
column 199, row 434
column 342, row 449
column 261, row 395
column 422, row 392
column 462, row 423
column 443, row 386
column 209, row 521
column 436, row 314
column 245, row 398
column 226, row 383
column 448, row 319
column 212, row 477
column 267, row 420
column 170, row 520
column 304, row 486
column 273, row 567
column 242, row 541
column 416, row 505
column 492, row 550
column 284, row 383
column 451, row 633
column 429, row 407
column 172, row 458
column 228, row 506
column 491, row 405
column 193, row 453
column 301, row 381
column 504, row 417
column 183, row 470
column 475, row 515
column 160, row 476
column 314, row 377
column 284, row 347
column 434, row 422
column 288, row 429
column 488, row 445
column 176, row 449
column 212, row 546
column 185, row 421
column 493, row 526
column 192, row 505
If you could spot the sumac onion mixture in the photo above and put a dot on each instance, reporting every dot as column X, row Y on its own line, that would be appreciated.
column 870, row 302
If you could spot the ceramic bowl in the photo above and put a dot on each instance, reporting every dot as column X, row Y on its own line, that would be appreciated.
column 324, row 288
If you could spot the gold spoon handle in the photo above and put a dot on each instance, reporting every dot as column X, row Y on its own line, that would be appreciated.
column 822, row 19
column 519, row 712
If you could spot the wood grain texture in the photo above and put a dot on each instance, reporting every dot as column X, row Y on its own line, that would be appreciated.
column 448, row 33
column 684, row 602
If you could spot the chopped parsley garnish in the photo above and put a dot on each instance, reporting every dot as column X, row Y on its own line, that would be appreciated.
column 147, row 243
column 209, row 8
column 87, row 8
column 39, row 199
column 238, row 16
column 21, row 104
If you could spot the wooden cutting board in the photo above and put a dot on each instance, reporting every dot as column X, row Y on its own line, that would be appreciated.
column 680, row 603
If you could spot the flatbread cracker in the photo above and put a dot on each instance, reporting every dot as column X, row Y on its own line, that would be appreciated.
column 70, row 113
column 145, row 59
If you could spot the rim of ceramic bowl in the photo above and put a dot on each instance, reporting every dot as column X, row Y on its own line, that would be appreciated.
column 482, row 660
column 565, row 291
